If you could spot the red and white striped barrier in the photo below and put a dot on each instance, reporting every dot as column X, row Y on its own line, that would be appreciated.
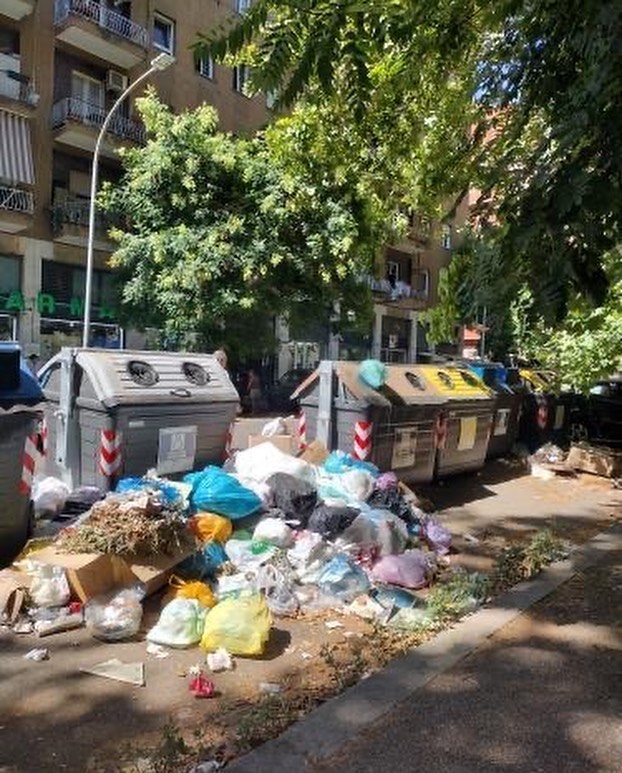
column 228, row 443
column 28, row 465
column 362, row 440
column 110, row 457
column 42, row 437
column 302, row 430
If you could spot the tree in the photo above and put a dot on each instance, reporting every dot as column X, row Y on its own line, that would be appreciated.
column 219, row 232
column 542, row 89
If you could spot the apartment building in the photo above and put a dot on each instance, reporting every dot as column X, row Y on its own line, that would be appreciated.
column 62, row 65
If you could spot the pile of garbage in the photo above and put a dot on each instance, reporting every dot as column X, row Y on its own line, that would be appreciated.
column 270, row 535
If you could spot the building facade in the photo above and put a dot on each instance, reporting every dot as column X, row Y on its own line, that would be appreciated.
column 63, row 63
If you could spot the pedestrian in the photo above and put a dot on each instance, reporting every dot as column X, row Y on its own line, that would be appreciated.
column 254, row 390
column 221, row 357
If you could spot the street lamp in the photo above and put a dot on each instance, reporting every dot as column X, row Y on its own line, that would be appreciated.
column 160, row 62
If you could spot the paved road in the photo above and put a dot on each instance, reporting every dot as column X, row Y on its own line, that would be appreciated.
column 543, row 695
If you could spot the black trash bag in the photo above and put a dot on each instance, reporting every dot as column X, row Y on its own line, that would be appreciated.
column 294, row 497
column 391, row 499
column 331, row 521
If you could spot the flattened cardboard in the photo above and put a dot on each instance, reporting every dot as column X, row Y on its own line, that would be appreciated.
column 284, row 443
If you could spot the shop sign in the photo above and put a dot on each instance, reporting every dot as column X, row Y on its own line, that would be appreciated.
column 49, row 306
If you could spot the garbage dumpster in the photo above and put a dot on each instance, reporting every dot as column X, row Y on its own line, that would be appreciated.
column 465, row 423
column 20, row 414
column 546, row 416
column 113, row 413
column 507, row 407
column 393, row 426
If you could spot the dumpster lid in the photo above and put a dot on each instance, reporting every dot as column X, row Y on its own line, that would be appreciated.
column 455, row 383
column 410, row 385
column 122, row 377
column 27, row 395
column 348, row 374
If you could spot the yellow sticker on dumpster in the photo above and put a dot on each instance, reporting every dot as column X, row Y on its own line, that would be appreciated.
column 468, row 431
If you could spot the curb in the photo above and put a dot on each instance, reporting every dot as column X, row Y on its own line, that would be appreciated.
column 337, row 722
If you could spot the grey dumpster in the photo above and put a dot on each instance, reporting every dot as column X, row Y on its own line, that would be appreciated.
column 392, row 427
column 112, row 413
column 20, row 414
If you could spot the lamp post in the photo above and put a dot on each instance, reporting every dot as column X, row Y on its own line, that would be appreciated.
column 160, row 62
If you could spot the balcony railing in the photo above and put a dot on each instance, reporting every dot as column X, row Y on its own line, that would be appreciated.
column 104, row 17
column 16, row 200
column 394, row 290
column 73, row 109
column 76, row 213
column 16, row 86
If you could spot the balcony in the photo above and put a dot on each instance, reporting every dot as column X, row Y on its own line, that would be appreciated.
column 16, row 9
column 77, row 124
column 17, row 91
column 402, row 294
column 70, row 224
column 98, row 30
column 16, row 209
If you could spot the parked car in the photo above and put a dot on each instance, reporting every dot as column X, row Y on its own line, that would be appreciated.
column 279, row 394
column 598, row 417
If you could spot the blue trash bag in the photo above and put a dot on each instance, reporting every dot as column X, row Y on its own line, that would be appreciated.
column 169, row 493
column 214, row 491
column 204, row 563
column 373, row 373
column 338, row 462
column 341, row 577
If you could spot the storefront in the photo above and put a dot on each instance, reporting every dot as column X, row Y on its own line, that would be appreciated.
column 10, row 297
column 61, row 308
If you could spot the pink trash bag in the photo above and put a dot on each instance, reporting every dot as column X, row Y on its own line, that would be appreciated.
column 409, row 569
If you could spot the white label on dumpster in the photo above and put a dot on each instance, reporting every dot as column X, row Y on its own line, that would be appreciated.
column 468, row 433
column 560, row 411
column 176, row 449
column 404, row 448
column 503, row 419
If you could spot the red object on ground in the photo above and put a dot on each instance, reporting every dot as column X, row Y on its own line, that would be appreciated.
column 201, row 687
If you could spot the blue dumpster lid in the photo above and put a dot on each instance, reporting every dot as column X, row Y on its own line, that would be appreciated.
column 28, row 391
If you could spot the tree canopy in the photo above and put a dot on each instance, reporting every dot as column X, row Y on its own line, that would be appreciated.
column 219, row 230
column 513, row 97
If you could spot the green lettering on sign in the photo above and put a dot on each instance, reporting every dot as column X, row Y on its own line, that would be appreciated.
column 46, row 303
column 105, row 312
column 76, row 307
column 15, row 302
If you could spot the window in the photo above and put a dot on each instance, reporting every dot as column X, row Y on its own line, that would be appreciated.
column 10, row 269
column 393, row 271
column 205, row 67
column 163, row 33
column 241, row 77
column 87, row 89
column 446, row 236
column 421, row 282
column 242, row 6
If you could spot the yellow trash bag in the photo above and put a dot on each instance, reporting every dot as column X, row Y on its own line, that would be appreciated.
column 180, row 589
column 239, row 625
column 209, row 526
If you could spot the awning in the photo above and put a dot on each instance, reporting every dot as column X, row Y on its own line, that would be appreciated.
column 15, row 149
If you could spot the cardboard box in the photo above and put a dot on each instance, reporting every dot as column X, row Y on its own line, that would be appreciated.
column 597, row 460
column 285, row 443
column 90, row 574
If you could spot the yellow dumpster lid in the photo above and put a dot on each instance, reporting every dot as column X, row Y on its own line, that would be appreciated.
column 455, row 383
column 409, row 383
column 536, row 379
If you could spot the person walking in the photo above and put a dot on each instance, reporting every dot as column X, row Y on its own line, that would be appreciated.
column 254, row 390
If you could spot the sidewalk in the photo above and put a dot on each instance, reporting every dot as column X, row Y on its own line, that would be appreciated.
column 541, row 694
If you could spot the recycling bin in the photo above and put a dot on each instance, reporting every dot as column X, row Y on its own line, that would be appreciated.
column 466, row 421
column 546, row 416
column 113, row 412
column 392, row 426
column 20, row 414
column 508, row 403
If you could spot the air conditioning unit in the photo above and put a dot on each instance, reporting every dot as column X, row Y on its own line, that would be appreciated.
column 116, row 81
